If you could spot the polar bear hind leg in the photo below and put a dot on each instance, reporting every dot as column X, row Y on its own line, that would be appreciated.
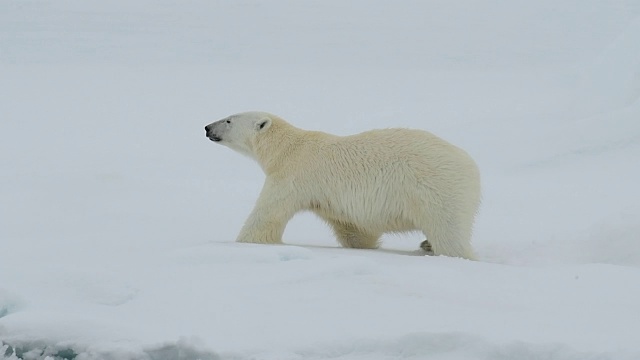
column 450, row 238
column 426, row 246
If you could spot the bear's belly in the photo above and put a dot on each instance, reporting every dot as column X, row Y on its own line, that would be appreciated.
column 364, row 217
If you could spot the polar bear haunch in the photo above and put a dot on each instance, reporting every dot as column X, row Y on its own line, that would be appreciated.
column 363, row 185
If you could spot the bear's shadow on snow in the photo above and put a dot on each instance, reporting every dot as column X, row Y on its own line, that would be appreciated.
column 417, row 252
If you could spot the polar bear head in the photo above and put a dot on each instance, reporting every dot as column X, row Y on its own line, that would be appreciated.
column 239, row 131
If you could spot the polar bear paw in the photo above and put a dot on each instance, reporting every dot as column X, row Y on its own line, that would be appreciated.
column 426, row 246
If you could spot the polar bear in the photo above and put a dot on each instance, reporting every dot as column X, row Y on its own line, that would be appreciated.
column 364, row 185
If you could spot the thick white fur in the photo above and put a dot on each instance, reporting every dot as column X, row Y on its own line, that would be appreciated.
column 364, row 185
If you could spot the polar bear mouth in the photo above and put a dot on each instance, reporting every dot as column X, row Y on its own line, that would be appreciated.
column 215, row 138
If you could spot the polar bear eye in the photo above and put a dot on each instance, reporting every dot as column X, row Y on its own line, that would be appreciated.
column 228, row 121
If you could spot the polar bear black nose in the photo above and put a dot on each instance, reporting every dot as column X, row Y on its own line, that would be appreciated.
column 206, row 128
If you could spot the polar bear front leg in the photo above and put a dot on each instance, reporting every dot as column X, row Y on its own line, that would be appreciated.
column 269, row 217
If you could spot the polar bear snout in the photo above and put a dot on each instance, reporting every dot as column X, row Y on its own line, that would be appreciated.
column 211, row 133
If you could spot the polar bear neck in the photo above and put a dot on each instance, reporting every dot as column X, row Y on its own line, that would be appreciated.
column 277, row 144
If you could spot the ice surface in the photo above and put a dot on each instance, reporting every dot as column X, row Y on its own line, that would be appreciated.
column 117, row 215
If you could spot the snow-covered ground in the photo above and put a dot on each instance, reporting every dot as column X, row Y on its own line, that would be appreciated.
column 117, row 215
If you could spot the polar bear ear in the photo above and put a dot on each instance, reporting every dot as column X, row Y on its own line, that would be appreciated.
column 263, row 124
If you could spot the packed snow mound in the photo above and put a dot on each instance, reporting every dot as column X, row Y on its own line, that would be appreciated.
column 243, row 300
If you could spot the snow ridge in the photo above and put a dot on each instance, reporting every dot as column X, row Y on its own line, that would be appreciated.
column 41, row 350
column 417, row 346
